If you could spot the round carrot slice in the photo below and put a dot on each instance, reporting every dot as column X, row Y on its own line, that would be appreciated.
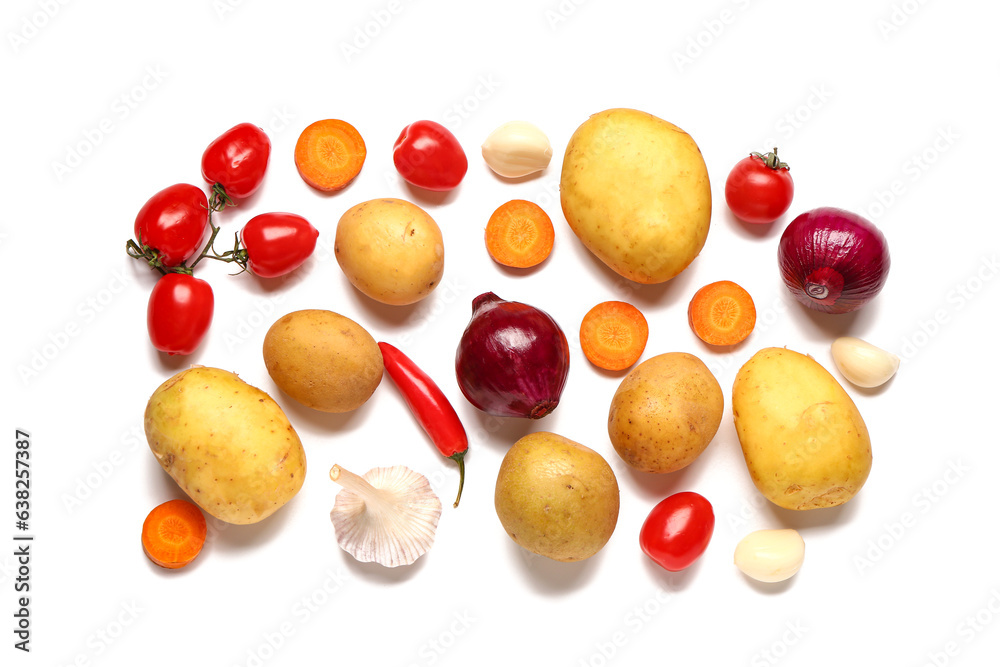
column 329, row 154
column 613, row 335
column 519, row 234
column 174, row 533
column 722, row 313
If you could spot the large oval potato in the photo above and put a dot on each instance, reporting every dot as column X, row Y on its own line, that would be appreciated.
column 323, row 360
column 391, row 250
column 635, row 190
column 804, row 441
column 227, row 444
column 665, row 412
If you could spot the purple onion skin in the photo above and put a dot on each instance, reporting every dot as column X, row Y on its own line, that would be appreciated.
column 832, row 260
column 513, row 359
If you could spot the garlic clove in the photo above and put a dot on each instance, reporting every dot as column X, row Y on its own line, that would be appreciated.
column 862, row 363
column 516, row 149
column 770, row 556
column 388, row 516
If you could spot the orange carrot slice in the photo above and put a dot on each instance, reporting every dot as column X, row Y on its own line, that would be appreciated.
column 722, row 313
column 613, row 335
column 174, row 533
column 329, row 154
column 519, row 234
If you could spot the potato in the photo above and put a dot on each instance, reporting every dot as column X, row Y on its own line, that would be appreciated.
column 804, row 441
column 390, row 250
column 635, row 190
column 665, row 412
column 227, row 444
column 323, row 360
column 556, row 497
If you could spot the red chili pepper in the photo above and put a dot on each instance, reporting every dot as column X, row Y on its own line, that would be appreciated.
column 430, row 406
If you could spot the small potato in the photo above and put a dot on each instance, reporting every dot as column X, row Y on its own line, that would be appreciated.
column 665, row 412
column 391, row 250
column 323, row 360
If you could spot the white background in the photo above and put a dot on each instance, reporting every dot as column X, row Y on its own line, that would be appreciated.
column 885, row 108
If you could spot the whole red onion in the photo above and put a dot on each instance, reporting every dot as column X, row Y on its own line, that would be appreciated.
column 832, row 260
column 513, row 359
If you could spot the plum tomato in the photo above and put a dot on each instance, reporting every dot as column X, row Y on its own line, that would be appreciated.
column 428, row 156
column 173, row 223
column 237, row 160
column 678, row 530
column 179, row 313
column 759, row 188
column 277, row 243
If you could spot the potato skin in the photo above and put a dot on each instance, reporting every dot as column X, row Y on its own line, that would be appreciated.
column 227, row 444
column 556, row 497
column 665, row 412
column 323, row 360
column 390, row 250
column 804, row 441
column 635, row 189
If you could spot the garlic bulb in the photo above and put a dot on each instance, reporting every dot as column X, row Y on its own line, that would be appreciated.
column 862, row 363
column 517, row 149
column 388, row 516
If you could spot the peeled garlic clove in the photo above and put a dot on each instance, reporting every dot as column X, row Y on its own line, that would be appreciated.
column 862, row 363
column 770, row 555
column 517, row 149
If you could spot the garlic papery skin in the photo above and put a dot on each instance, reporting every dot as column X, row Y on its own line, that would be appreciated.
column 862, row 363
column 516, row 149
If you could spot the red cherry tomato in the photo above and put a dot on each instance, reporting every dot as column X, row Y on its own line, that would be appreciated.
column 179, row 313
column 237, row 159
column 759, row 188
column 427, row 155
column 678, row 530
column 277, row 243
column 173, row 222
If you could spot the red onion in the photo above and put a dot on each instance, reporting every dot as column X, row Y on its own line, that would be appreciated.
column 513, row 359
column 832, row 260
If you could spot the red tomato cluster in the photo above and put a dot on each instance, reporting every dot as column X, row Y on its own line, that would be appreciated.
column 174, row 226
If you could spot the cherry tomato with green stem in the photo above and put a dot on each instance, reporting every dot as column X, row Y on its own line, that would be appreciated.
column 235, row 162
column 678, row 530
column 759, row 188
column 276, row 243
column 179, row 313
column 171, row 226
column 428, row 155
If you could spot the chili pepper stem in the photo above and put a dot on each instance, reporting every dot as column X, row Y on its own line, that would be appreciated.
column 459, row 458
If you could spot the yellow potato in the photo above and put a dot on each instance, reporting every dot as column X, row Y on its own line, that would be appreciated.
column 804, row 441
column 391, row 250
column 556, row 498
column 665, row 412
column 323, row 360
column 227, row 444
column 635, row 190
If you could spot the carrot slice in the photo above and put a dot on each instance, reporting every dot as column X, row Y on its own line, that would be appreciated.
column 519, row 234
column 329, row 154
column 174, row 533
column 722, row 313
column 613, row 335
